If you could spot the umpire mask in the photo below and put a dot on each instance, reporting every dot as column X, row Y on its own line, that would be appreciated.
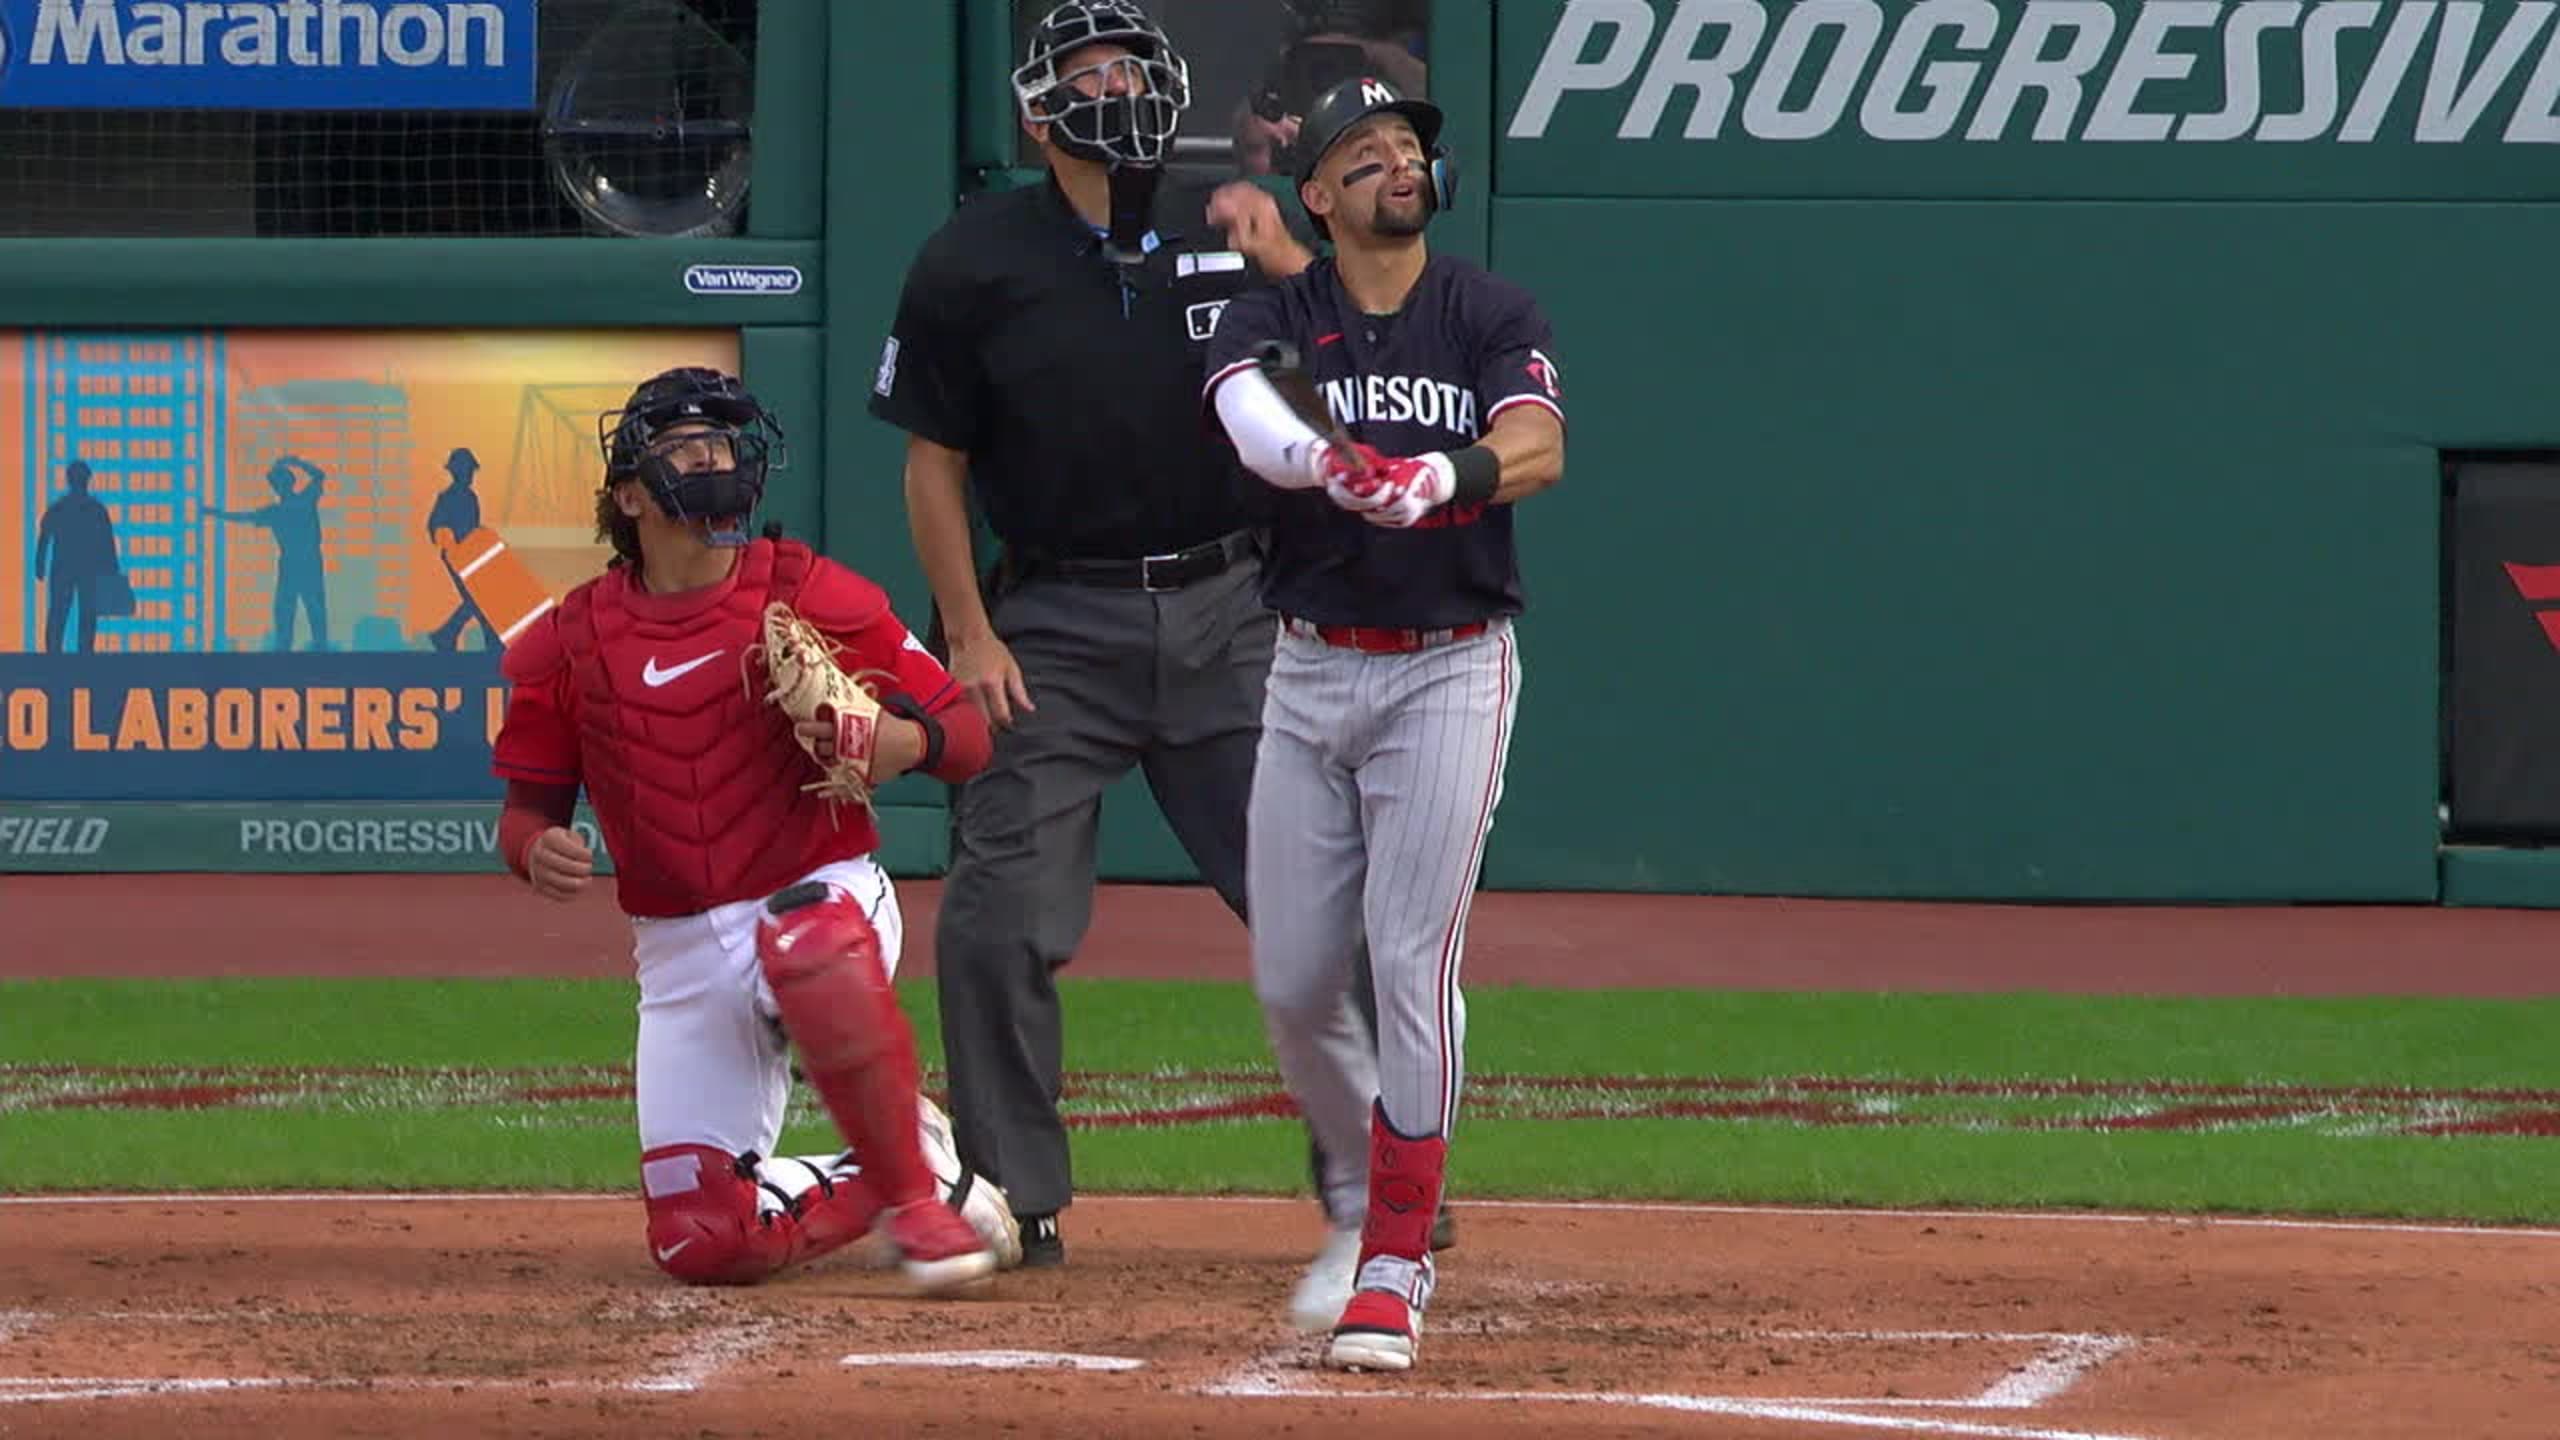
column 1117, row 106
column 1119, row 109
column 702, row 445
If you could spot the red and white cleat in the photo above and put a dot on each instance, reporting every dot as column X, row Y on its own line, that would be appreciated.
column 1376, row 1332
column 938, row 1250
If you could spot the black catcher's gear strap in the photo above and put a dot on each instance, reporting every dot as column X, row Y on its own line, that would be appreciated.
column 904, row 706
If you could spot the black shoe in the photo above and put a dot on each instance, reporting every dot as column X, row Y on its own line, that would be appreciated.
column 1042, row 1248
column 1444, row 1229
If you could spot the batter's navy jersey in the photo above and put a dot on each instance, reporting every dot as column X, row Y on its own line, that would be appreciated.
column 1467, row 346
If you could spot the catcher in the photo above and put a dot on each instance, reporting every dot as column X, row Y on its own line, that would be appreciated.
column 704, row 691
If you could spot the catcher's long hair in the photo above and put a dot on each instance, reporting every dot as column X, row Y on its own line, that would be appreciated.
column 616, row 529
column 623, row 533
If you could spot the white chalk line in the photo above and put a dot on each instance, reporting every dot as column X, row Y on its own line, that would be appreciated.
column 2053, row 1372
column 19, row 1390
column 710, row 1350
column 2064, row 1358
column 995, row 1360
column 1587, row 1207
column 2067, row 1356
column 728, row 1340
column 1734, row 1407
column 27, row 1391
column 156, row 1317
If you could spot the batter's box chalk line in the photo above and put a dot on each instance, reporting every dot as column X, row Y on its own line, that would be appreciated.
column 708, row 1352
column 2060, row 1360
column 995, row 1360
column 20, row 1390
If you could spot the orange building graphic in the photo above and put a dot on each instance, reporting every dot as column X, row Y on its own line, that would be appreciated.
column 273, row 490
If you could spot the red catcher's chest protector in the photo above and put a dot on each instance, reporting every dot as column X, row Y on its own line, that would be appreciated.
column 695, row 780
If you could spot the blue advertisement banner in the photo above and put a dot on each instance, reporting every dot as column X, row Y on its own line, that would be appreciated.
column 249, row 727
column 267, row 55
column 281, row 565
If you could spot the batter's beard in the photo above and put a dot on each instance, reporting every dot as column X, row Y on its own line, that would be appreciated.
column 1397, row 220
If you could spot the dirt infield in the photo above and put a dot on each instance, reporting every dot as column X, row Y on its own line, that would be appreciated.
column 293, row 1318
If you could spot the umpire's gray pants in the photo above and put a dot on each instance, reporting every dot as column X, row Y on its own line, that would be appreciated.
column 1172, row 681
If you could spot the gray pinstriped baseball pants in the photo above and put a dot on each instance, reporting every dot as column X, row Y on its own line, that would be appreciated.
column 1374, row 787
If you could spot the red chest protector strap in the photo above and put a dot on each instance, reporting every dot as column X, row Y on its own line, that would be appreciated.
column 770, row 570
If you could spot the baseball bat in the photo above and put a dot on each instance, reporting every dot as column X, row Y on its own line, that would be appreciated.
column 1280, row 364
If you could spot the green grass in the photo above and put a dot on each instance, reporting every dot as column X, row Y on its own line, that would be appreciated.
column 1140, row 1026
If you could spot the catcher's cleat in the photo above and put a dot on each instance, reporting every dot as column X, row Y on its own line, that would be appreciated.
column 977, row 1199
column 1377, row 1331
column 936, row 1248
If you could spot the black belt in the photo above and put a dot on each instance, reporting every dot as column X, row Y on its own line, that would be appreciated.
column 1149, row 572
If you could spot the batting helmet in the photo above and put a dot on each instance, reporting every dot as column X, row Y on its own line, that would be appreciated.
column 1134, row 128
column 1344, row 106
column 702, row 401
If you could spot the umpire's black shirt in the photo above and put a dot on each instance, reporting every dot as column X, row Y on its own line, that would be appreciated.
column 1072, row 382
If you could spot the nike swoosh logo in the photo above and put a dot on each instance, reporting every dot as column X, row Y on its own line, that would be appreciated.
column 671, row 1251
column 653, row 677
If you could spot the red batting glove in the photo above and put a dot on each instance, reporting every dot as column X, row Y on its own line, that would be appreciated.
column 1352, row 476
column 1411, row 488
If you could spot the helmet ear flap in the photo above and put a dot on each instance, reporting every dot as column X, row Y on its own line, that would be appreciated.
column 1443, row 174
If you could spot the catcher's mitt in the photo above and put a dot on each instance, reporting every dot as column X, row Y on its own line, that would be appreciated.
column 808, row 684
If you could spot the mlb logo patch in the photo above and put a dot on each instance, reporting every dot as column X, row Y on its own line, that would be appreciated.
column 887, row 379
column 1202, row 319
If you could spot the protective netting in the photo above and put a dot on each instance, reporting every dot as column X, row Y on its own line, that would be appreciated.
column 639, row 126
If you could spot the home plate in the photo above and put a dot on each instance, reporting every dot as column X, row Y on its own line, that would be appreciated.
column 997, row 1360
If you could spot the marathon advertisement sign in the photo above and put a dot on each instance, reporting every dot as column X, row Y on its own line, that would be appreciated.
column 267, row 54
column 2030, row 99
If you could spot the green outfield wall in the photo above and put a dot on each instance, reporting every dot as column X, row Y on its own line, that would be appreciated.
column 2008, row 439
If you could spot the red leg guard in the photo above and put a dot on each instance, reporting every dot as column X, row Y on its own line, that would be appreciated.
column 1404, row 1190
column 707, row 1228
column 703, row 1226
column 822, row 959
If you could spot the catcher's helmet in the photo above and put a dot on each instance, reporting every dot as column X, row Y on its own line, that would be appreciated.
column 1344, row 106
column 698, row 401
column 1132, row 128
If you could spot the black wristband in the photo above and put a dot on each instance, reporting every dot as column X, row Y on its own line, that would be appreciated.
column 905, row 707
column 1479, row 473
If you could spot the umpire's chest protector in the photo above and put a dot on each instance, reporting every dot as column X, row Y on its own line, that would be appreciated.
column 695, row 781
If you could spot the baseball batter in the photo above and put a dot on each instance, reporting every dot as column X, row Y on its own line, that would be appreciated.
column 757, row 910
column 1388, row 717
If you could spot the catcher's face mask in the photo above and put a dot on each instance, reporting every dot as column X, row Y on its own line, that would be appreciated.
column 702, row 446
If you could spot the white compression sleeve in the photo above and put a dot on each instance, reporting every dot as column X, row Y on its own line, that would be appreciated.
column 1269, row 437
